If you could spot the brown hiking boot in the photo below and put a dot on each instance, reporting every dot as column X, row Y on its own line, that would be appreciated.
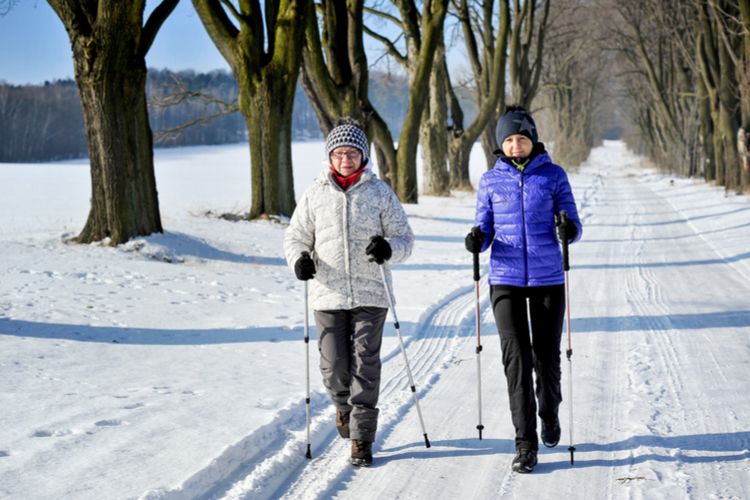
column 361, row 453
column 342, row 423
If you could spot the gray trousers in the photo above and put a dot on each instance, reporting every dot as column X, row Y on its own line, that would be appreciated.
column 349, row 344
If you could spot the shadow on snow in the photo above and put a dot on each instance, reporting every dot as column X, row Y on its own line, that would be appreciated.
column 155, row 336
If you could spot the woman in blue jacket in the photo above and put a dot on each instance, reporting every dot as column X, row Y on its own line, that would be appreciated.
column 518, row 207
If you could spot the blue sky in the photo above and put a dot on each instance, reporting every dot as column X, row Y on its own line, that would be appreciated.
column 37, row 48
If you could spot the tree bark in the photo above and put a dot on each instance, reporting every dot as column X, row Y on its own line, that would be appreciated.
column 109, row 43
column 423, row 31
column 489, row 74
column 265, row 55
column 524, row 72
column 433, row 131
column 335, row 75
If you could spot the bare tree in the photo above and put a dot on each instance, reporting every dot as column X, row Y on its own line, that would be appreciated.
column 573, row 78
column 488, row 56
column 423, row 34
column 527, row 49
column 110, row 42
column 263, row 46
column 336, row 78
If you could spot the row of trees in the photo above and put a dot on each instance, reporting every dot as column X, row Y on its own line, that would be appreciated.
column 689, row 83
column 41, row 123
column 45, row 122
column 320, row 43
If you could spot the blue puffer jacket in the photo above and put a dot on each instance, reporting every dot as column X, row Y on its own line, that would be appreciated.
column 516, row 211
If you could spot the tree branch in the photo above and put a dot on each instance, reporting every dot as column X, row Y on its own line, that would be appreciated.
column 385, row 15
column 154, row 24
column 389, row 46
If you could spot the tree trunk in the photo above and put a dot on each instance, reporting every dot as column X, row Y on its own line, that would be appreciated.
column 109, row 45
column 489, row 74
column 265, row 55
column 525, row 74
column 708, row 161
column 433, row 131
column 270, row 127
column 124, row 201
column 337, row 84
column 489, row 144
column 432, row 20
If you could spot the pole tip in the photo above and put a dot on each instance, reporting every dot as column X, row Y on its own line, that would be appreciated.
column 571, row 450
column 426, row 441
column 308, row 454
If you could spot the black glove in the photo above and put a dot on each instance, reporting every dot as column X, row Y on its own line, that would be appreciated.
column 379, row 250
column 474, row 240
column 304, row 268
column 566, row 231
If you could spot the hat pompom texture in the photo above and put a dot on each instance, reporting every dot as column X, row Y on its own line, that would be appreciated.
column 347, row 135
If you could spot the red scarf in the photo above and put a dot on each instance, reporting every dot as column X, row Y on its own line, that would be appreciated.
column 345, row 182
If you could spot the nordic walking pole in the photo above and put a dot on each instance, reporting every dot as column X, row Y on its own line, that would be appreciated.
column 307, row 368
column 480, row 427
column 403, row 351
column 569, row 353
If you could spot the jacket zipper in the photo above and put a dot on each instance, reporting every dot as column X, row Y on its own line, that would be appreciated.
column 523, row 228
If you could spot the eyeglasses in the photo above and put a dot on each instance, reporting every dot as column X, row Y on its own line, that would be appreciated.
column 352, row 155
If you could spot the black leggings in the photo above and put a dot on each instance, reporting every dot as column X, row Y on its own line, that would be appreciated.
column 520, row 355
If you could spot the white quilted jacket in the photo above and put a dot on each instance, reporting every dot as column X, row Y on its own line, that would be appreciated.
column 335, row 226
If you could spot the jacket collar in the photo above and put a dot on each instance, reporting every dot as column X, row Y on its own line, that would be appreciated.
column 326, row 177
column 537, row 157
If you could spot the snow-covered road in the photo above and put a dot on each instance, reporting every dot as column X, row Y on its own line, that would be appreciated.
column 202, row 394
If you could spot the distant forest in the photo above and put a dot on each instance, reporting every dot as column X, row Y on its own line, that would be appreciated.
column 45, row 122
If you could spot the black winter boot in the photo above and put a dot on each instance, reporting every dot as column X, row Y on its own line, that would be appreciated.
column 525, row 461
column 342, row 423
column 361, row 453
column 551, row 433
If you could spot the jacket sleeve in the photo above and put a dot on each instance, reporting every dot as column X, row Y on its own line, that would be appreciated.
column 396, row 228
column 564, row 201
column 484, row 217
column 300, row 235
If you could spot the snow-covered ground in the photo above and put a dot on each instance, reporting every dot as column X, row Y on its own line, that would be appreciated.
column 173, row 366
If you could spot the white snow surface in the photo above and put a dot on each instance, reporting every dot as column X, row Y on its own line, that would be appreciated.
column 173, row 367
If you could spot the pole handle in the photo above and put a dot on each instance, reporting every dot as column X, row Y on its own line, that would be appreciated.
column 476, row 231
column 564, row 220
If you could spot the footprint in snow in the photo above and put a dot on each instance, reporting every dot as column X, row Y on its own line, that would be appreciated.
column 4, row 453
column 133, row 406
column 58, row 433
column 109, row 423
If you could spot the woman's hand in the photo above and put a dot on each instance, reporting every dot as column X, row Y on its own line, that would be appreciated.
column 304, row 268
column 379, row 249
column 474, row 240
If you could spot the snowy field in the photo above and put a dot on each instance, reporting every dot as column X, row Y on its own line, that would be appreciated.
column 173, row 368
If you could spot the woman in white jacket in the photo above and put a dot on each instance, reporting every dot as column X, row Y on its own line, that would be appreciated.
column 346, row 224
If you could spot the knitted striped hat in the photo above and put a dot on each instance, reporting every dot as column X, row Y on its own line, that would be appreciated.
column 348, row 134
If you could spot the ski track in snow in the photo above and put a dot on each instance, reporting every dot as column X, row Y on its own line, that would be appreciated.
column 266, row 463
column 660, row 326
column 635, row 369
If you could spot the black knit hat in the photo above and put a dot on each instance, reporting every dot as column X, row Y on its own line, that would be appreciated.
column 347, row 132
column 516, row 120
